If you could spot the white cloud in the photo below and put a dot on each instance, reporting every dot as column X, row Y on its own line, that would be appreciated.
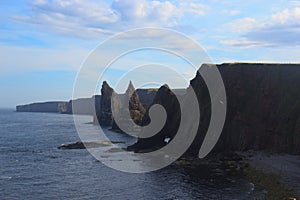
column 280, row 29
column 93, row 18
column 144, row 11
column 193, row 8
column 244, row 42
column 234, row 12
column 242, row 25
column 287, row 16
column 231, row 12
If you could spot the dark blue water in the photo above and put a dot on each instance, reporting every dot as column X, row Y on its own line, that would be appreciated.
column 31, row 167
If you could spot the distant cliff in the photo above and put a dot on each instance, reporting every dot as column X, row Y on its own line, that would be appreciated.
column 263, row 109
column 52, row 107
column 84, row 106
column 88, row 106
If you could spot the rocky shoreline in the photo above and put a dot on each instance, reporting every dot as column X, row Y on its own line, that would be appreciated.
column 274, row 176
column 282, row 169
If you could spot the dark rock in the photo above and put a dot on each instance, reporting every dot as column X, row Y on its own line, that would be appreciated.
column 263, row 109
column 84, row 145
column 77, row 145
column 104, row 116
column 168, row 100
column 146, row 96
column 136, row 108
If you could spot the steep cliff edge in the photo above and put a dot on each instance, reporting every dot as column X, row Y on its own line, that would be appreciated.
column 263, row 109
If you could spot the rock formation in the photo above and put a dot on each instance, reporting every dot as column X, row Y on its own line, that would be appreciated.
column 263, row 109
column 166, row 98
column 130, row 100
column 146, row 96
column 84, row 145
column 104, row 116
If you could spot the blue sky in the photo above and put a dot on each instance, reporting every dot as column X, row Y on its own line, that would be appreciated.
column 43, row 43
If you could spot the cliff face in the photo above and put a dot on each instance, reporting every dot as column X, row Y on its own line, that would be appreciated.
column 52, row 107
column 83, row 106
column 104, row 115
column 263, row 109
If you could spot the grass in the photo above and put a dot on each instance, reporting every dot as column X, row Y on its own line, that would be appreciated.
column 269, row 181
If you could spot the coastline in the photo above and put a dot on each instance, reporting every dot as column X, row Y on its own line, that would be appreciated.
column 276, row 174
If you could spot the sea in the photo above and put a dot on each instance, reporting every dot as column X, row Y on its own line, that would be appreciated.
column 32, row 167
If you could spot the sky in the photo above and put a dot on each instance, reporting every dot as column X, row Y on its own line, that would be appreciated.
column 43, row 43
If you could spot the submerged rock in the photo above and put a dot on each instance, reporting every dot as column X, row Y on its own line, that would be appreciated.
column 84, row 145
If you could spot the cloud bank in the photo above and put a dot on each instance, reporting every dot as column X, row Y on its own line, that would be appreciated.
column 280, row 29
column 89, row 18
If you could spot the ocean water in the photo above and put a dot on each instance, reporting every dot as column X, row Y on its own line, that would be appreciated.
column 31, row 167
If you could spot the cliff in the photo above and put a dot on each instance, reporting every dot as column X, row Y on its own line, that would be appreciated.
column 84, row 106
column 88, row 106
column 52, row 107
column 263, row 109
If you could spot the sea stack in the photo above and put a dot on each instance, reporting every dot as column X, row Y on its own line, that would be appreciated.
column 129, row 101
column 104, row 116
